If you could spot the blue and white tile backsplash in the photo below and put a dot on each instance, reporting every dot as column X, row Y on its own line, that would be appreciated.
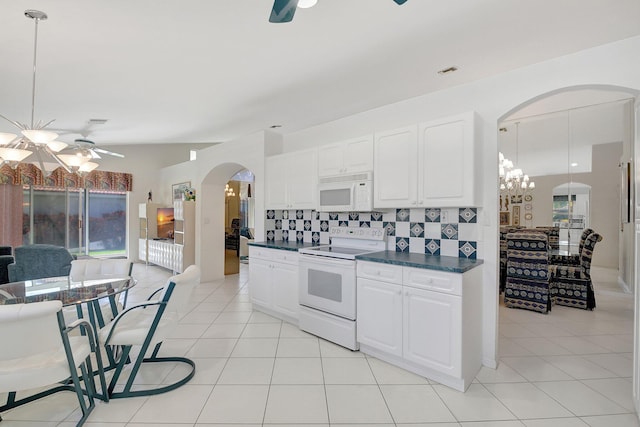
column 450, row 231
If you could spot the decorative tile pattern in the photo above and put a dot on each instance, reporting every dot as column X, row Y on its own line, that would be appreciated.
column 413, row 230
column 390, row 226
column 449, row 231
column 432, row 247
column 468, row 215
column 402, row 214
column 402, row 245
column 432, row 215
column 467, row 249
column 416, row 230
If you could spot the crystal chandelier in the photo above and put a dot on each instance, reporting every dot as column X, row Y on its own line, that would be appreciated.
column 228, row 191
column 34, row 138
column 514, row 183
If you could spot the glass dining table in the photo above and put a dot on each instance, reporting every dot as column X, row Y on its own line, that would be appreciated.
column 85, row 296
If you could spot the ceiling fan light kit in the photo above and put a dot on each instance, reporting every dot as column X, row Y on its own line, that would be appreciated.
column 35, row 139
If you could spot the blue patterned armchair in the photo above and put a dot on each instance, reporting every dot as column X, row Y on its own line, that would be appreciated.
column 571, row 285
column 527, row 283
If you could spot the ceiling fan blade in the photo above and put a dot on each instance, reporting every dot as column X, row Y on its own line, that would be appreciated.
column 283, row 11
column 111, row 153
column 94, row 155
column 400, row 2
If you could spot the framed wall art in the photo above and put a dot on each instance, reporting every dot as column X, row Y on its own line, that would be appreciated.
column 504, row 218
column 516, row 215
column 178, row 190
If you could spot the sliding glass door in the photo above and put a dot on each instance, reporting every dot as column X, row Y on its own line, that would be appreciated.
column 71, row 218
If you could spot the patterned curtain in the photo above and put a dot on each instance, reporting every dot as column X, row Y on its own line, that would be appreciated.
column 30, row 174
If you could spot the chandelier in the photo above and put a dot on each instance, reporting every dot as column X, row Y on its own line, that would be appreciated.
column 34, row 138
column 228, row 191
column 514, row 183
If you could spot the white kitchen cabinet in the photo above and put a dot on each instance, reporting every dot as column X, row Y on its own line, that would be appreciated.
column 423, row 320
column 273, row 282
column 447, row 165
column 291, row 180
column 432, row 330
column 432, row 164
column 380, row 315
column 346, row 157
column 395, row 174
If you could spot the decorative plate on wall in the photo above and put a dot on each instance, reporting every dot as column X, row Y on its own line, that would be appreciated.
column 528, row 216
column 527, row 207
column 528, row 198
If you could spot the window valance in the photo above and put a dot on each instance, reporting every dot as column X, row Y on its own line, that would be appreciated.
column 30, row 174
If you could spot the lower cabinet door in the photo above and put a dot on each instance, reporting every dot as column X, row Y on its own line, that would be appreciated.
column 285, row 289
column 432, row 330
column 260, row 282
column 379, row 315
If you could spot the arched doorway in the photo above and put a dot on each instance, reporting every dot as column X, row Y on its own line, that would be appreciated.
column 239, row 219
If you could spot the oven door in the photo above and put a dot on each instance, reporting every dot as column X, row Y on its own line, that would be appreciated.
column 328, row 284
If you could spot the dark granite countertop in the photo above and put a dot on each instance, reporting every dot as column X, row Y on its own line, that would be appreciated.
column 282, row 245
column 432, row 262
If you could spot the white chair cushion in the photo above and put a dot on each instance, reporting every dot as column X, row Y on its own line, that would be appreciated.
column 86, row 269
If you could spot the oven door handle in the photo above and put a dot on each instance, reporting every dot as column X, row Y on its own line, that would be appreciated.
column 324, row 260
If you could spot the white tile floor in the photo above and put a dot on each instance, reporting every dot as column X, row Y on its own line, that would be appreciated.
column 568, row 368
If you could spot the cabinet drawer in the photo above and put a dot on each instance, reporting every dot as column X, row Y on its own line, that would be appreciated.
column 449, row 283
column 277, row 255
column 380, row 271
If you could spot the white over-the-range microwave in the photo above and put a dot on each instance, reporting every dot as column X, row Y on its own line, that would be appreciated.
column 346, row 193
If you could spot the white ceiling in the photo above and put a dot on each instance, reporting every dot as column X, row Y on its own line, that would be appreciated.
column 214, row 70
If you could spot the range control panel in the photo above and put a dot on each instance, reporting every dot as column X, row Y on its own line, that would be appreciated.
column 374, row 233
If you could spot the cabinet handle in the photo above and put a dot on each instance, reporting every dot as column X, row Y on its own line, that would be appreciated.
column 421, row 202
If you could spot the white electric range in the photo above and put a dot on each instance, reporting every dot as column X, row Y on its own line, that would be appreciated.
column 327, row 285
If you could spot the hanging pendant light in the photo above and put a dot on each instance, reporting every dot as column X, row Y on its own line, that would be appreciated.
column 35, row 137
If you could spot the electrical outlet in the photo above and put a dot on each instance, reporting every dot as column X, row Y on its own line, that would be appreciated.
column 444, row 216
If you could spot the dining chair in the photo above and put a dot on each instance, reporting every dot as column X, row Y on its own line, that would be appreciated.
column 146, row 325
column 571, row 285
column 38, row 351
column 571, row 259
column 527, row 282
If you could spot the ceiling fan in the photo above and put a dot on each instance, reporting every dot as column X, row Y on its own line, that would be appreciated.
column 283, row 10
column 95, row 151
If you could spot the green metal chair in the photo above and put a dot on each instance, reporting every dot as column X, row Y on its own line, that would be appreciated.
column 38, row 350
column 146, row 325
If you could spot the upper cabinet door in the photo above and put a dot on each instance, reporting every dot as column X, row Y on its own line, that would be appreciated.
column 346, row 157
column 302, row 179
column 358, row 154
column 395, row 168
column 447, row 175
column 276, row 182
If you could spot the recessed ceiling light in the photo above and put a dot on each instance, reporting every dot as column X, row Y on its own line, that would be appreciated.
column 448, row 70
column 573, row 165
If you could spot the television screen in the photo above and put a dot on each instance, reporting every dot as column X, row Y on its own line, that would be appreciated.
column 165, row 223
